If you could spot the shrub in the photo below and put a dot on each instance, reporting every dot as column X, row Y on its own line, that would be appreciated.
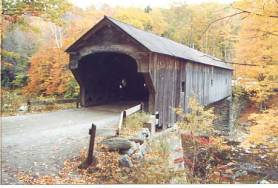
column 197, row 128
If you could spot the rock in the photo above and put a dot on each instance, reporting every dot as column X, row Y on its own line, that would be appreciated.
column 137, row 140
column 144, row 134
column 143, row 149
column 240, row 173
column 116, row 144
column 137, row 156
column 23, row 108
column 125, row 161
column 131, row 150
column 263, row 182
column 271, row 173
column 247, row 151
column 251, row 168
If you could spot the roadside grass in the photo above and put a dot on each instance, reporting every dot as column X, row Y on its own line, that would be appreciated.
column 134, row 123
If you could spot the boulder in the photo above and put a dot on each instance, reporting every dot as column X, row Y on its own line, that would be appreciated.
column 117, row 144
column 131, row 150
column 125, row 161
column 137, row 140
column 144, row 134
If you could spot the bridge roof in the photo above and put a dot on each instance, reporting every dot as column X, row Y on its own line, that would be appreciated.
column 162, row 45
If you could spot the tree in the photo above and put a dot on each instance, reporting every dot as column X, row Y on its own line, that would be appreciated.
column 48, row 72
column 17, row 47
column 151, row 21
column 20, row 34
column 15, row 10
column 188, row 24
column 265, row 130
column 257, row 45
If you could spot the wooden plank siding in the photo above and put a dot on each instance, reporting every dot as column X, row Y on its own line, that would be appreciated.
column 206, row 83
column 165, row 72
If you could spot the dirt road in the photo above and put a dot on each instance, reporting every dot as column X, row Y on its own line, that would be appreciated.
column 40, row 143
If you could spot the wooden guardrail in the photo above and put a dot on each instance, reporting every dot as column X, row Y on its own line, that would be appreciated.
column 126, row 113
column 31, row 103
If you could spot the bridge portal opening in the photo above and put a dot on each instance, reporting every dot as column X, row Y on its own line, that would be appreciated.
column 109, row 77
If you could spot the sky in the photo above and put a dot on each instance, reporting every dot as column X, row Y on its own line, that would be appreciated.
column 139, row 3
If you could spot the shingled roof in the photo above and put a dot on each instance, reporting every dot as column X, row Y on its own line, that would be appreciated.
column 162, row 45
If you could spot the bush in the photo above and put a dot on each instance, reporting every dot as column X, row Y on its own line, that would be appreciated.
column 11, row 100
column 72, row 89
column 197, row 140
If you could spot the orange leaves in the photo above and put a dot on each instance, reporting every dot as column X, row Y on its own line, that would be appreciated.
column 48, row 72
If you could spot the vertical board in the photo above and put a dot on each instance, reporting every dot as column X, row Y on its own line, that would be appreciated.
column 166, row 76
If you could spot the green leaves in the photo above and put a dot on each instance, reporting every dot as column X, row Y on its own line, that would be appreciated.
column 50, row 10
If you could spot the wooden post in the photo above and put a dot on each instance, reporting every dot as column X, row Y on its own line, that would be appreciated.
column 90, row 158
column 78, row 100
column 77, row 103
column 142, row 107
column 28, row 105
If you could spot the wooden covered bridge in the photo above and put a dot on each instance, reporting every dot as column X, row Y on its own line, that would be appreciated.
column 115, row 61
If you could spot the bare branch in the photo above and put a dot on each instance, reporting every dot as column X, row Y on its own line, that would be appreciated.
column 245, row 64
column 258, row 14
column 219, row 19
column 268, row 32
column 238, row 13
column 229, row 62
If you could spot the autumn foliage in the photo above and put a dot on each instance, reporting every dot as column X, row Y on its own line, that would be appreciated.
column 48, row 73
column 257, row 47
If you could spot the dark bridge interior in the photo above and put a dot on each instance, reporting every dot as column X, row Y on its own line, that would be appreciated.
column 111, row 77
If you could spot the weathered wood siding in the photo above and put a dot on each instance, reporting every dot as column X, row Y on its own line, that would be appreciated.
column 165, row 72
column 207, row 83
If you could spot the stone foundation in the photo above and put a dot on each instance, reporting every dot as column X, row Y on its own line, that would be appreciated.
column 227, row 112
column 223, row 113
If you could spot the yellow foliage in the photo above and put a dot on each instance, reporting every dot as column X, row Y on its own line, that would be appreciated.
column 152, row 21
column 265, row 130
column 198, row 121
column 257, row 45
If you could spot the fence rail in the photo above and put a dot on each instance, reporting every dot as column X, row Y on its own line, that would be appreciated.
column 31, row 103
column 126, row 113
column 56, row 101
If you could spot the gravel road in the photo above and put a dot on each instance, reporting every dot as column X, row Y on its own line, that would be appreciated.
column 40, row 143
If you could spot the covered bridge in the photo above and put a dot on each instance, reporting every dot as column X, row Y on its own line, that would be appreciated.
column 115, row 61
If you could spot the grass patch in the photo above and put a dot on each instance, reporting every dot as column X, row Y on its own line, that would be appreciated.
column 134, row 123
